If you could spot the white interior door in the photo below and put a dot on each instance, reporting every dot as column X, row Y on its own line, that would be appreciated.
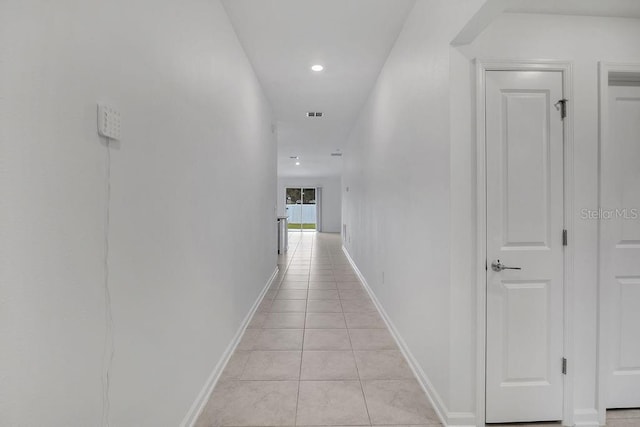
column 620, row 240
column 525, row 217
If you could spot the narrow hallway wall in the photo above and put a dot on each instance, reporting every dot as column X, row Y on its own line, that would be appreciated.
column 397, row 206
column 196, row 138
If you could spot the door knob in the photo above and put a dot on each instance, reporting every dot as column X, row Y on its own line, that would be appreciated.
column 498, row 266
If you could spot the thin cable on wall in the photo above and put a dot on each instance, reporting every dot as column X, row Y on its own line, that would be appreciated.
column 107, row 358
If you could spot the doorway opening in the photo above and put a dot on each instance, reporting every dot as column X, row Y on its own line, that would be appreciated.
column 302, row 208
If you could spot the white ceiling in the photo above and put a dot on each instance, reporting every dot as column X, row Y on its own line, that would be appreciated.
column 609, row 8
column 284, row 38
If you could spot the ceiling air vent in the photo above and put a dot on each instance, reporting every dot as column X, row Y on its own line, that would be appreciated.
column 314, row 114
column 336, row 154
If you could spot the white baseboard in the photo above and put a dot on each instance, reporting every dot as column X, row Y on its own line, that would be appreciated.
column 203, row 397
column 461, row 419
column 446, row 418
column 586, row 418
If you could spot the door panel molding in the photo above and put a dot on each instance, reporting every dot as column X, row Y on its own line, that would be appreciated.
column 483, row 66
column 622, row 74
column 520, row 199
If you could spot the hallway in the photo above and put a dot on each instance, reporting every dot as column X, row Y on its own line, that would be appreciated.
column 317, row 352
column 470, row 169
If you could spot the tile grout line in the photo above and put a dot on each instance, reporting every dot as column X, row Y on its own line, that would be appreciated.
column 353, row 353
column 304, row 333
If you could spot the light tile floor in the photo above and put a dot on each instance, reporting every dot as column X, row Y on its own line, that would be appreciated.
column 623, row 418
column 317, row 353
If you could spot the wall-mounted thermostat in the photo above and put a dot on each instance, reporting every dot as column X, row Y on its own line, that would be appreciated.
column 109, row 122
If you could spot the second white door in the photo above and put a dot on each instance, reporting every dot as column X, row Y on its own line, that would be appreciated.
column 620, row 250
column 525, row 218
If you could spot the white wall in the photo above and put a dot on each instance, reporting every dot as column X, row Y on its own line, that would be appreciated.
column 414, row 145
column 331, row 204
column 397, row 208
column 193, row 115
column 584, row 41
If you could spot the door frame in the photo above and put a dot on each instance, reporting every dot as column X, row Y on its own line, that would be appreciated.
column 604, row 69
column 286, row 205
column 481, row 68
column 319, row 226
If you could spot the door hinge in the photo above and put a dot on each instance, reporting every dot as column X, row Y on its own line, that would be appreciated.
column 565, row 238
column 564, row 365
column 561, row 106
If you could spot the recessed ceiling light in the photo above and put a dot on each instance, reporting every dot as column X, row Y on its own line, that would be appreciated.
column 317, row 67
column 297, row 163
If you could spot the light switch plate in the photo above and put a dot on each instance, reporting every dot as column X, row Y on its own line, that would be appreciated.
column 108, row 122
